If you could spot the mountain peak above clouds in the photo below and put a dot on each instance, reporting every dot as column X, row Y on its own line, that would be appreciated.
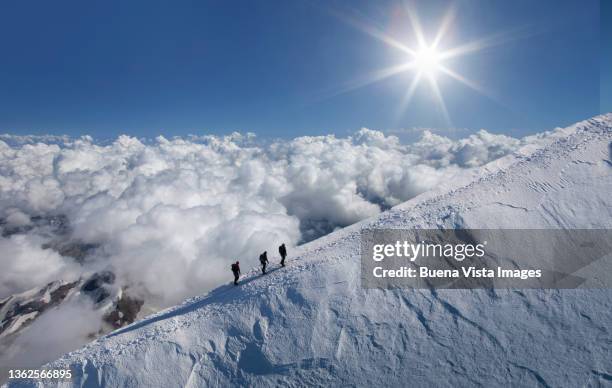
column 312, row 323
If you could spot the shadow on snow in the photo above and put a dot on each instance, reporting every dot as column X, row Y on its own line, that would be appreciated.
column 220, row 294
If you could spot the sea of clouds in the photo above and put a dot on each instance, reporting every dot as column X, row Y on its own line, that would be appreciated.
column 169, row 216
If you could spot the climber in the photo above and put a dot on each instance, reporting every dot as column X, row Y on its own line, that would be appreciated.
column 236, row 271
column 263, row 259
column 283, row 252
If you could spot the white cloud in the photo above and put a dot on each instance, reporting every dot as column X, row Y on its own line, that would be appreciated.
column 26, row 265
column 55, row 332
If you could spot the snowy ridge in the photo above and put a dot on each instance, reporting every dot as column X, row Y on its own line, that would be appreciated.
column 312, row 323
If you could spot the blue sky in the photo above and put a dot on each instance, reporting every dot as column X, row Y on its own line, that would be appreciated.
column 275, row 67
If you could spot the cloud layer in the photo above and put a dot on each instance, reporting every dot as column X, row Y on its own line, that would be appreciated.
column 168, row 216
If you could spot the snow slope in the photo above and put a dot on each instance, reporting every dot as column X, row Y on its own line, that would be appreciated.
column 312, row 323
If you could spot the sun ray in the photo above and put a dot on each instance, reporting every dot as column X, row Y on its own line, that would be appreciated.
column 486, row 42
column 375, row 33
column 371, row 78
column 415, row 23
column 408, row 96
column 372, row 31
column 472, row 85
column 469, row 83
column 444, row 27
column 468, row 48
column 440, row 100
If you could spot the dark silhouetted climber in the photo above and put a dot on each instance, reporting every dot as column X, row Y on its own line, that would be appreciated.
column 263, row 259
column 236, row 271
column 283, row 252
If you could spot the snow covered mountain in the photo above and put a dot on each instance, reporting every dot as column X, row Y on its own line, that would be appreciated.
column 312, row 323
column 117, row 308
column 34, row 311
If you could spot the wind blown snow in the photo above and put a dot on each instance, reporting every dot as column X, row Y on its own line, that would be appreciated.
column 168, row 216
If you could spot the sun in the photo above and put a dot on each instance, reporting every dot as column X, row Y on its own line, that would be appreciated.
column 427, row 60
